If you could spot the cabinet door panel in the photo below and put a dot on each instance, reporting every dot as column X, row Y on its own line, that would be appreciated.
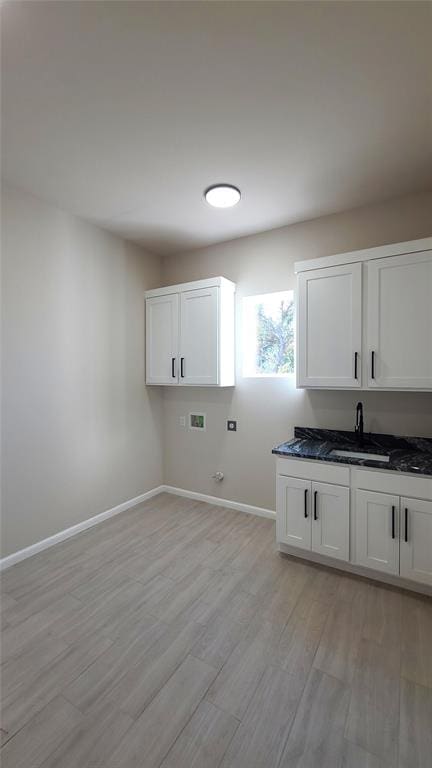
column 162, row 324
column 329, row 327
column 293, row 519
column 330, row 520
column 416, row 551
column 400, row 321
column 377, row 543
column 199, row 337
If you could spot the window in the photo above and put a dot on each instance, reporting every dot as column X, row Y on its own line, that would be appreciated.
column 268, row 334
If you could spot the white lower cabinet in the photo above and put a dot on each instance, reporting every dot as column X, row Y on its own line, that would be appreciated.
column 367, row 519
column 416, row 540
column 377, row 531
column 330, row 520
column 394, row 535
column 293, row 512
column 313, row 516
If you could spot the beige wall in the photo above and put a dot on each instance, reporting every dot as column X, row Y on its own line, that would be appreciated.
column 81, row 432
column 268, row 409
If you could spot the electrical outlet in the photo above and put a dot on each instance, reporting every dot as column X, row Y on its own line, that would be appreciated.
column 182, row 421
column 231, row 425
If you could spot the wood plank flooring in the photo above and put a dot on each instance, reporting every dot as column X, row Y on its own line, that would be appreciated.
column 175, row 635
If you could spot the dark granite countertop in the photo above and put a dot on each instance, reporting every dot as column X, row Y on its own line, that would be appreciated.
column 407, row 454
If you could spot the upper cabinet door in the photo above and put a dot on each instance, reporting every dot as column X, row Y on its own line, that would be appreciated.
column 400, row 322
column 162, row 325
column 416, row 540
column 199, row 337
column 329, row 327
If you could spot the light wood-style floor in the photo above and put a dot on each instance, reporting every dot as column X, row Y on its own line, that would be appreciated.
column 174, row 635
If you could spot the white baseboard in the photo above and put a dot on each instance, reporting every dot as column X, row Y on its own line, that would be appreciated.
column 33, row 549
column 248, row 508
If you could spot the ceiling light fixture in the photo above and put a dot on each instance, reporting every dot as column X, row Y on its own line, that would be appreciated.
column 222, row 195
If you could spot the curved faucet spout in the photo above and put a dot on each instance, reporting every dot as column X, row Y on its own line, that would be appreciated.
column 359, row 425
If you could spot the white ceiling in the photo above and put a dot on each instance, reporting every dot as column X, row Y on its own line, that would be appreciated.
column 123, row 112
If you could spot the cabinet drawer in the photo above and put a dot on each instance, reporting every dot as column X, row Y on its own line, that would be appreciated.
column 321, row 471
column 392, row 482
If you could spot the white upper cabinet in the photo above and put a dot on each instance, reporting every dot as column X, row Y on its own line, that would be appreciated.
column 376, row 338
column 162, row 330
column 199, row 336
column 329, row 326
column 190, row 334
column 399, row 322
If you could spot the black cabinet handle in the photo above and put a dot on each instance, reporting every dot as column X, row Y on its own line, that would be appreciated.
column 315, row 505
column 173, row 367
column 182, row 367
column 406, row 523
column 355, row 365
column 372, row 365
column 305, row 503
column 393, row 523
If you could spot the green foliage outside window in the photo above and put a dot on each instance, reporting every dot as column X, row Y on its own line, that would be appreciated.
column 275, row 339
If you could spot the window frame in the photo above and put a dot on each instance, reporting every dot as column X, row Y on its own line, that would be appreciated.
column 247, row 356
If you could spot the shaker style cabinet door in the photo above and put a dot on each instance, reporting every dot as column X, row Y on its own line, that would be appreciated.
column 162, row 334
column 377, row 531
column 293, row 512
column 416, row 540
column 329, row 327
column 399, row 321
column 198, row 362
column 330, row 520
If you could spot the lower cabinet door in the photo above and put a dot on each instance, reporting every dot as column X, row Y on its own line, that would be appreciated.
column 293, row 518
column 330, row 520
column 377, row 531
column 416, row 540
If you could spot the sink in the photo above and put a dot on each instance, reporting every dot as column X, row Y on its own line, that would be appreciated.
column 360, row 455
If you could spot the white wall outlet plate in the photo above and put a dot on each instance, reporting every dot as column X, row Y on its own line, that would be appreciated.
column 182, row 421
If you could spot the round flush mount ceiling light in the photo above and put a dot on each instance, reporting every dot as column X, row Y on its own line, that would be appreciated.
column 222, row 195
